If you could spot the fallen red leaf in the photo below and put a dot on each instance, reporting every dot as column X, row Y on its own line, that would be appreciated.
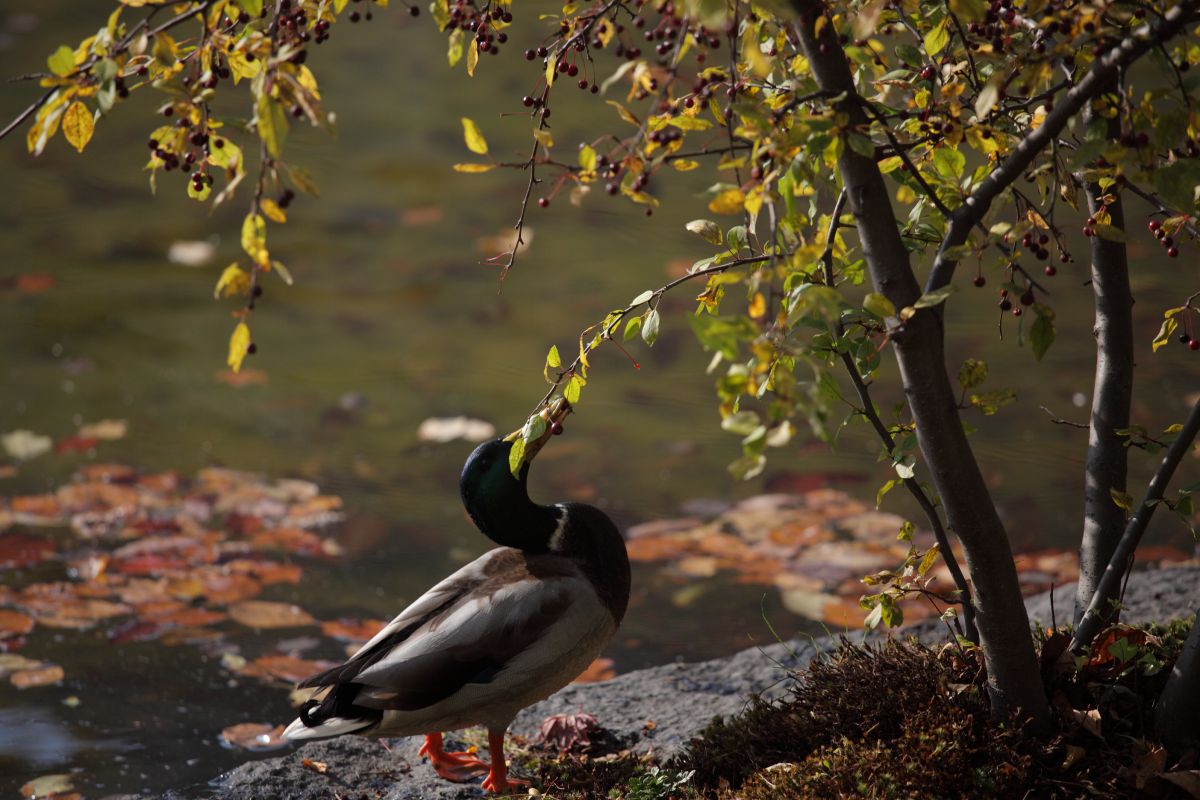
column 254, row 736
column 19, row 550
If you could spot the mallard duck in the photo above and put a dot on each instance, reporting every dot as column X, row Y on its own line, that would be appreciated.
column 508, row 629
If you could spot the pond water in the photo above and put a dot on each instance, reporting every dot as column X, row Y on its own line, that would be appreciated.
column 393, row 319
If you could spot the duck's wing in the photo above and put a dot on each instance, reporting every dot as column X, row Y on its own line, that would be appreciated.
column 465, row 630
column 427, row 609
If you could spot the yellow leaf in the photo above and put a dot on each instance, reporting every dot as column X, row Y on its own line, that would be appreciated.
column 272, row 210
column 474, row 137
column 454, row 52
column 544, row 138
column 754, row 201
column 685, row 164
column 62, row 61
column 625, row 113
column 309, row 81
column 241, row 67
column 550, row 72
column 239, row 346
column 233, row 281
column 730, row 201
column 227, row 156
column 271, row 123
column 758, row 306
column 472, row 57
column 78, row 125
column 474, row 167
column 254, row 237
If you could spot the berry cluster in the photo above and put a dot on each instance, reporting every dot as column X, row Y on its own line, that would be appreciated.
column 1165, row 239
column 482, row 22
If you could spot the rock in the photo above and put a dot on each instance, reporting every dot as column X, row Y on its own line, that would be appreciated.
column 679, row 699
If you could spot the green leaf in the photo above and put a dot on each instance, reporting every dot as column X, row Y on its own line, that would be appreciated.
column 883, row 490
column 1123, row 500
column 949, row 162
column 251, row 7
column 972, row 373
column 991, row 402
column 62, row 61
column 271, row 123
column 552, row 358
column 938, row 37
column 650, row 327
column 1110, row 233
column 641, row 298
column 573, row 389
column 535, row 426
column 706, row 229
column 516, row 456
column 632, row 327
column 1177, row 184
column 742, row 423
column 1041, row 335
column 879, row 305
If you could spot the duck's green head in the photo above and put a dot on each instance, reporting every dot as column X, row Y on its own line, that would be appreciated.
column 499, row 503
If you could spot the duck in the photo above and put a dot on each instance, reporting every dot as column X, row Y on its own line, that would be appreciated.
column 503, row 632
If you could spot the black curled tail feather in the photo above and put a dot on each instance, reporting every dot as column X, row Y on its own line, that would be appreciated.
column 339, row 703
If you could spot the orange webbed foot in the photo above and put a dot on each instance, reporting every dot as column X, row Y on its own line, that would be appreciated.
column 458, row 767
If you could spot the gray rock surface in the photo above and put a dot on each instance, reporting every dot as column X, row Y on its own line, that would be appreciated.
column 679, row 699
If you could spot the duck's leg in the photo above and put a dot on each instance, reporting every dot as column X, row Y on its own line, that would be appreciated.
column 497, row 780
column 458, row 767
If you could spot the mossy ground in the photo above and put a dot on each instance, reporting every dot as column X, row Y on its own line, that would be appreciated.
column 900, row 720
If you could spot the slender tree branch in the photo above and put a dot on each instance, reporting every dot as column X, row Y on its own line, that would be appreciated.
column 614, row 319
column 1093, row 618
column 911, row 484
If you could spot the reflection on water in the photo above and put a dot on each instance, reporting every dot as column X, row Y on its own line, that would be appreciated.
column 394, row 320
column 31, row 734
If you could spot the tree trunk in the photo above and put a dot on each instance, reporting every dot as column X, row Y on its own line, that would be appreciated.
column 1014, row 683
column 1107, row 459
column 1178, row 706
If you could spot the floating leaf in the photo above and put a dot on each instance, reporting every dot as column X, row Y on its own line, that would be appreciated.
column 24, row 445
column 449, row 429
column 267, row 614
column 352, row 630
column 107, row 430
column 47, row 785
column 34, row 678
column 256, row 737
column 601, row 669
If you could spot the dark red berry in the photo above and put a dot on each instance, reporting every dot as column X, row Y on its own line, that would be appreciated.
column 252, row 349
column 980, row 281
column 1016, row 312
column 556, row 429
column 1006, row 304
column 1050, row 271
column 1173, row 252
column 543, row 202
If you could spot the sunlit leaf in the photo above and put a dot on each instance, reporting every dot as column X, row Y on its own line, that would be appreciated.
column 62, row 61
column 474, row 137
column 267, row 614
column 474, row 168
column 78, row 125
column 239, row 346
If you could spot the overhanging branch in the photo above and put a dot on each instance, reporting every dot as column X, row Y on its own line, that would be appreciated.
column 1103, row 71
